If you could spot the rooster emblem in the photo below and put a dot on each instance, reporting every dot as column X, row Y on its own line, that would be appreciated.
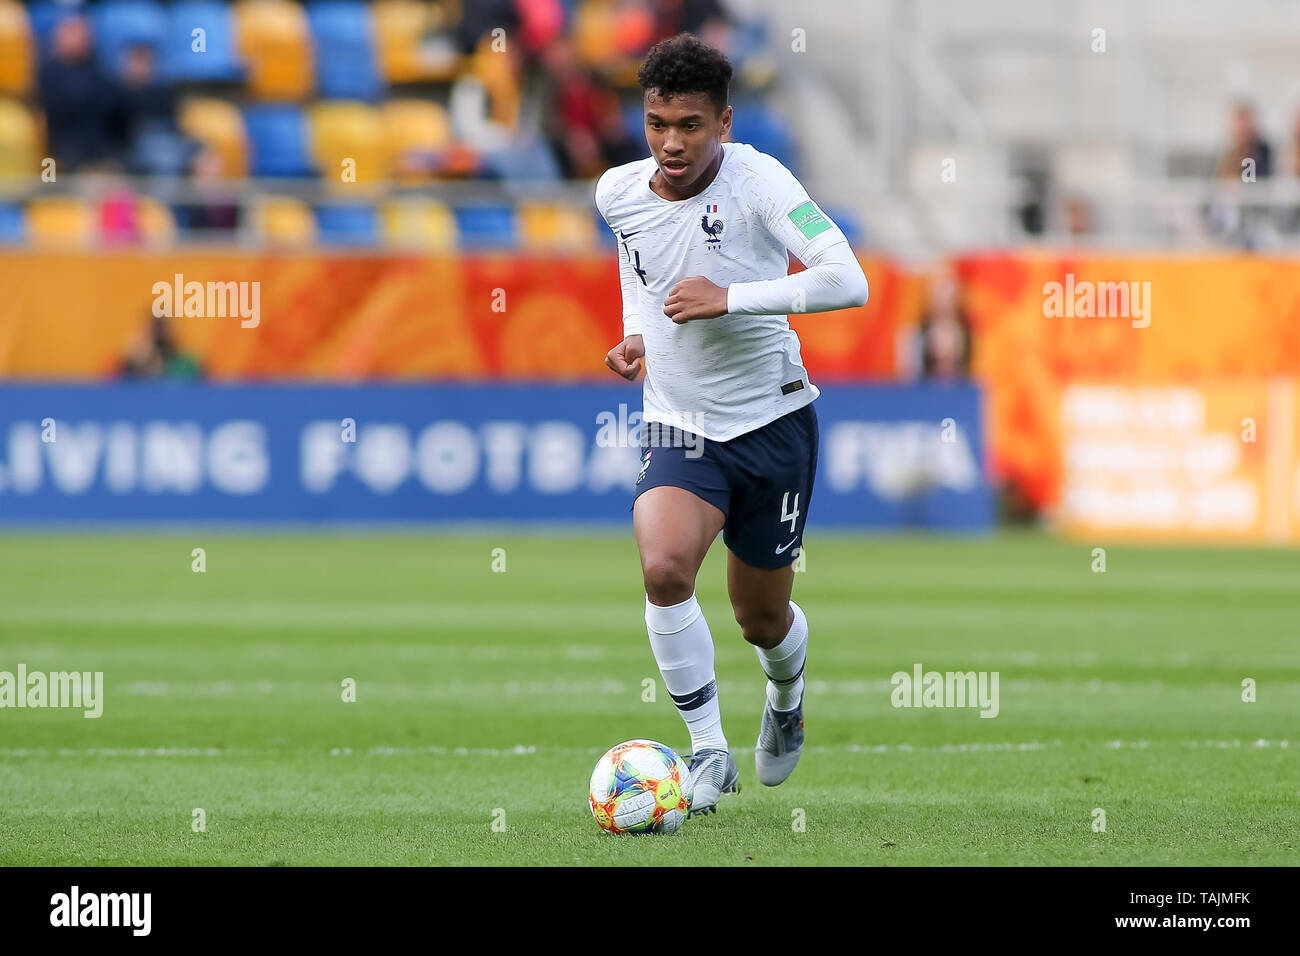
column 714, row 229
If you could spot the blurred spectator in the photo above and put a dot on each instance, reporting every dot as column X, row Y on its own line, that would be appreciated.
column 77, row 97
column 1244, row 143
column 1294, row 168
column 482, row 17
column 941, row 349
column 583, row 121
column 215, row 208
column 1228, row 215
column 708, row 19
column 119, row 216
column 146, row 118
column 1077, row 213
column 155, row 354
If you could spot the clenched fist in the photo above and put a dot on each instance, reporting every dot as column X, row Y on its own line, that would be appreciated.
column 695, row 298
column 626, row 357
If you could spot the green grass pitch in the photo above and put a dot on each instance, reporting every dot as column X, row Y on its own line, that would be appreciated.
column 487, row 697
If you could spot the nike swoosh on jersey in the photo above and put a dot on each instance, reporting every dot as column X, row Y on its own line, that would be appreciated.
column 629, row 235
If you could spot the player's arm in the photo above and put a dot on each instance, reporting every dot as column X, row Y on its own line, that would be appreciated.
column 626, row 357
column 833, row 278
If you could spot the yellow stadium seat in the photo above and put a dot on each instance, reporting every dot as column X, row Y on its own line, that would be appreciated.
column 156, row 222
column 413, row 128
column 15, row 49
column 555, row 226
column 497, row 74
column 60, row 221
column 275, row 41
column 424, row 224
column 218, row 125
column 593, row 25
column 342, row 130
column 20, row 141
column 401, row 29
column 285, row 221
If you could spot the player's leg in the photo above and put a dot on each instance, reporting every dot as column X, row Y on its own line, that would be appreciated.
column 764, row 534
column 778, row 629
column 674, row 529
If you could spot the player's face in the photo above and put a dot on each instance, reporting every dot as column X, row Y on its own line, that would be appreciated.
column 684, row 135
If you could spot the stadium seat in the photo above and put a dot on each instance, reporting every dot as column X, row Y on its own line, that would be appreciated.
column 424, row 224
column 486, row 226
column 156, row 222
column 345, row 50
column 755, row 124
column 124, row 23
column 19, row 140
column 218, row 125
column 45, row 15
column 347, row 225
column 217, row 61
column 348, row 130
column 604, row 235
column 60, row 221
column 848, row 223
column 414, row 129
column 284, row 221
column 13, row 225
column 16, row 49
column 275, row 44
column 278, row 138
column 401, row 31
column 544, row 225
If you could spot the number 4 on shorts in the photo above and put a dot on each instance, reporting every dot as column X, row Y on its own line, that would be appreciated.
column 786, row 514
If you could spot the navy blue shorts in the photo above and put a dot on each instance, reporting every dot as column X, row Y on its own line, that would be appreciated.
column 762, row 481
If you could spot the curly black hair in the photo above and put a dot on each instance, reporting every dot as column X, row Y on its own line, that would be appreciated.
column 686, row 64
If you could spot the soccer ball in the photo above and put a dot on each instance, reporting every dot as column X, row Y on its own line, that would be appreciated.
column 640, row 787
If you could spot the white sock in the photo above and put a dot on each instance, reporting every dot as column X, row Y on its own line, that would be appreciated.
column 683, row 648
column 783, row 664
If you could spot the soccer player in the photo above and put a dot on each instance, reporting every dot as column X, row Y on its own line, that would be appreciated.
column 729, row 438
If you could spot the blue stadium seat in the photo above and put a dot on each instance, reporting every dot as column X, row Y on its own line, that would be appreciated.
column 347, row 225
column 45, row 15
column 604, row 234
column 754, row 124
column 848, row 223
column 12, row 224
column 346, row 65
column 122, row 24
column 219, row 60
column 277, row 137
column 486, row 226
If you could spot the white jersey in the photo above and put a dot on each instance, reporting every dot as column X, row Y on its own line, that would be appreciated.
column 722, row 377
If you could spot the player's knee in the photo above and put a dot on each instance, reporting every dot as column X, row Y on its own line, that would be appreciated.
column 667, row 580
column 762, row 626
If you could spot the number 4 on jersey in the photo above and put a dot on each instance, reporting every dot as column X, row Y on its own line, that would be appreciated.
column 786, row 514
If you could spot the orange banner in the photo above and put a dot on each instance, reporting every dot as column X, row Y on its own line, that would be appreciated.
column 1215, row 461
column 1041, row 321
column 350, row 317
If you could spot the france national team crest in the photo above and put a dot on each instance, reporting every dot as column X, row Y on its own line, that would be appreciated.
column 712, row 228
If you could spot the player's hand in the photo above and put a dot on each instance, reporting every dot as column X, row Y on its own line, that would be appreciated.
column 695, row 298
column 625, row 358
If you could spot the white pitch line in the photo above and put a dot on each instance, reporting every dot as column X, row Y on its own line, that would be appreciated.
column 532, row 750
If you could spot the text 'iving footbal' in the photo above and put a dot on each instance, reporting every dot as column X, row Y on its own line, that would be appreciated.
column 640, row 786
